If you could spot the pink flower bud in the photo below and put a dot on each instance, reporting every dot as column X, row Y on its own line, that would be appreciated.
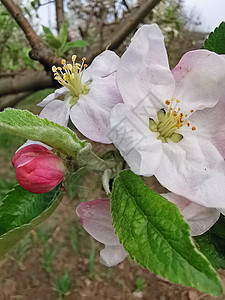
column 38, row 170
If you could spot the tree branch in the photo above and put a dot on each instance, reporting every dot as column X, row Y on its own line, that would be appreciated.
column 126, row 28
column 59, row 13
column 25, row 81
column 39, row 50
column 11, row 100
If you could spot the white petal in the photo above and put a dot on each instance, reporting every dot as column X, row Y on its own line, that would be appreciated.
column 200, row 77
column 112, row 255
column 30, row 142
column 91, row 113
column 210, row 123
column 96, row 219
column 199, row 218
column 56, row 111
column 144, row 68
column 193, row 168
column 130, row 133
column 56, row 95
column 103, row 65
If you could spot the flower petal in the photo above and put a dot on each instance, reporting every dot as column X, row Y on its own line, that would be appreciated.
column 56, row 95
column 210, row 125
column 96, row 219
column 199, row 77
column 144, row 67
column 112, row 255
column 199, row 218
column 130, row 133
column 103, row 65
column 193, row 168
column 56, row 111
column 91, row 113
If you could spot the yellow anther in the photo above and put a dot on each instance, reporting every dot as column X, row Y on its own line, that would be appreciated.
column 85, row 65
column 64, row 68
column 69, row 67
column 173, row 98
column 174, row 113
column 74, row 57
column 54, row 69
column 66, row 76
column 193, row 128
column 178, row 101
column 84, row 58
column 167, row 102
column 188, row 124
column 59, row 68
column 77, row 65
column 63, row 61
column 178, row 109
column 192, row 111
column 171, row 108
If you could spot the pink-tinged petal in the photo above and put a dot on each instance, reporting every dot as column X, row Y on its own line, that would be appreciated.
column 96, row 218
column 103, row 65
column 112, row 255
column 38, row 170
column 200, row 77
column 56, row 95
column 199, row 218
column 210, row 124
column 130, row 133
column 193, row 168
column 144, row 68
column 56, row 111
column 91, row 113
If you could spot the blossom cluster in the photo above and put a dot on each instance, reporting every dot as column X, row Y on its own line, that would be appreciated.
column 165, row 123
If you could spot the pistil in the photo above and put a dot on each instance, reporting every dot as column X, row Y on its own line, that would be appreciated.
column 169, row 122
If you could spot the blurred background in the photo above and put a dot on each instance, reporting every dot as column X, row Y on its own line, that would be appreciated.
column 59, row 259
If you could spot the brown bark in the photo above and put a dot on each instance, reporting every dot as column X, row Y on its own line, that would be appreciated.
column 59, row 13
column 25, row 81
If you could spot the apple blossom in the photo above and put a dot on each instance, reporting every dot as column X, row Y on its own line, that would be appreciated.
column 38, row 170
column 161, row 129
column 96, row 218
column 89, row 94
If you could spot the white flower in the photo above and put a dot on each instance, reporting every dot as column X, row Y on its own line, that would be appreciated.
column 96, row 218
column 89, row 94
column 170, row 123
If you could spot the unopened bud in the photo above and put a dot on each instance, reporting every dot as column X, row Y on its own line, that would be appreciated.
column 38, row 170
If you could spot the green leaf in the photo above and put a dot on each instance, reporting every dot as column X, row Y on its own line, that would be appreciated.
column 47, row 31
column 212, row 244
column 21, row 211
column 29, row 126
column 216, row 40
column 155, row 234
column 63, row 34
column 75, row 44
column 53, row 41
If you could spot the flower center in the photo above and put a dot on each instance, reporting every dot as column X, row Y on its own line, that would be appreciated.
column 169, row 121
column 70, row 76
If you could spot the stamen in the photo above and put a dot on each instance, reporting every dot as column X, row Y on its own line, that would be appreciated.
column 70, row 75
column 169, row 121
column 167, row 102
